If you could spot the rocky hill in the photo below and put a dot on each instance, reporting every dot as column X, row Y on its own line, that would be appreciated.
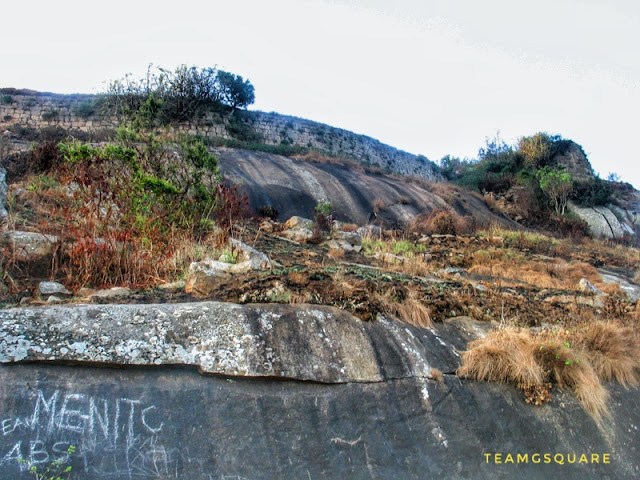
column 364, row 324
column 26, row 109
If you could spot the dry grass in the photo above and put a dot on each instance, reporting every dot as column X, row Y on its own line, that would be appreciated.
column 412, row 310
column 437, row 375
column 579, row 360
column 379, row 205
column 349, row 227
column 503, row 356
column 614, row 351
column 511, row 265
column 336, row 253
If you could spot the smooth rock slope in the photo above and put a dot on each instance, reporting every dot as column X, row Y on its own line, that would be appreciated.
column 290, row 392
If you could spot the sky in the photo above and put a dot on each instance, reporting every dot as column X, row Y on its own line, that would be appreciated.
column 432, row 77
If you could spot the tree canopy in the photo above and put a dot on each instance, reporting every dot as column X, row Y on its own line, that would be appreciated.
column 185, row 94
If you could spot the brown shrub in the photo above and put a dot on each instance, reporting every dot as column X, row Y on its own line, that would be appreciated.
column 378, row 205
column 410, row 310
column 349, row 227
column 438, row 222
column 614, row 351
column 437, row 375
column 516, row 356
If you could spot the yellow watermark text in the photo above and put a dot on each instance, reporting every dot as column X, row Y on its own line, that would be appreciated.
column 546, row 458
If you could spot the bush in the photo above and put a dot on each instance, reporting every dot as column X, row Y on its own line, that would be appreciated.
column 593, row 193
column 323, row 221
column 268, row 211
column 185, row 94
column 85, row 109
column 6, row 99
column 49, row 115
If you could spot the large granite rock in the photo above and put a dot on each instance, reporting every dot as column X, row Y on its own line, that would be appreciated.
column 299, row 392
column 313, row 343
column 29, row 246
column 603, row 223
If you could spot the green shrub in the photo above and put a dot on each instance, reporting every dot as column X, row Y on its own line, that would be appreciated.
column 324, row 208
column 593, row 193
column 49, row 115
column 85, row 109
column 6, row 99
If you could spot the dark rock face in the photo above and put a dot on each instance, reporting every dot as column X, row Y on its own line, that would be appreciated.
column 161, row 424
column 315, row 395
column 295, row 187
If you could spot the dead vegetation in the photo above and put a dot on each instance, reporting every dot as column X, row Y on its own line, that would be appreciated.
column 579, row 359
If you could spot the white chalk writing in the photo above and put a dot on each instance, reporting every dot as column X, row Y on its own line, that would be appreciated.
column 118, row 436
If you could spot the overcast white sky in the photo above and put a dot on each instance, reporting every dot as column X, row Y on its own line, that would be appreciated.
column 428, row 76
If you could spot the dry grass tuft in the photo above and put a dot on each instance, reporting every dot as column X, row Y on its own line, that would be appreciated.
column 336, row 253
column 512, row 265
column 599, row 352
column 613, row 350
column 563, row 366
column 502, row 356
column 349, row 227
column 378, row 205
column 411, row 310
column 437, row 375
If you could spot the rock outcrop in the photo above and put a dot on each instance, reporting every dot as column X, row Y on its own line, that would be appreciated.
column 294, row 188
column 603, row 223
column 28, row 246
column 292, row 392
column 202, row 277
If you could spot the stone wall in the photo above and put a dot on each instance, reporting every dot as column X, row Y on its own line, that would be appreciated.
column 40, row 110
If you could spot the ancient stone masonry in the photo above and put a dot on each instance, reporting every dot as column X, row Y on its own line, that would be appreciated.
column 49, row 110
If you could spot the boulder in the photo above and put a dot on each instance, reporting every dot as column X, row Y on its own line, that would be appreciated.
column 300, row 235
column 113, row 293
column 29, row 246
column 351, row 238
column 46, row 289
column 203, row 276
column 602, row 222
column 340, row 245
column 298, row 222
column 588, row 287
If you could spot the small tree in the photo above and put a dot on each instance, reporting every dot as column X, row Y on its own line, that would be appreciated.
column 234, row 91
column 537, row 149
column 557, row 184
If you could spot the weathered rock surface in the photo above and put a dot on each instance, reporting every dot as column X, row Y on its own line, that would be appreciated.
column 298, row 222
column 602, row 222
column 300, row 235
column 221, row 338
column 3, row 195
column 28, row 246
column 295, row 187
column 161, row 422
column 46, row 289
column 110, row 294
column 203, row 275
column 630, row 289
